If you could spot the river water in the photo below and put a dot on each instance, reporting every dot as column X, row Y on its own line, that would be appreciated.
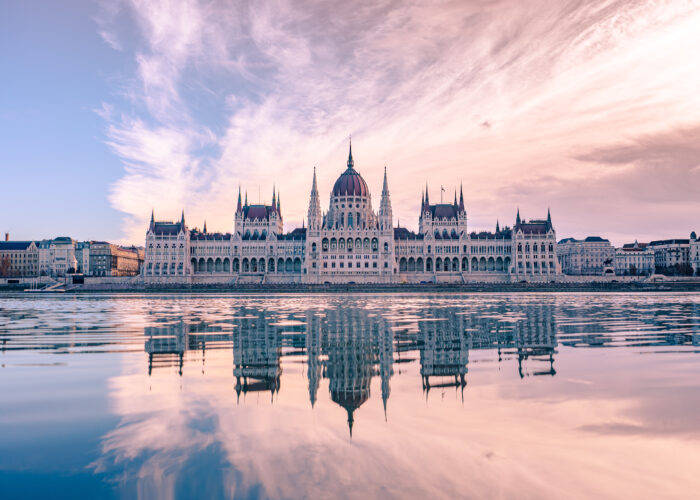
column 350, row 396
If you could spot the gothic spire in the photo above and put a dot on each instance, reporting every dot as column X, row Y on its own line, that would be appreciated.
column 385, row 187
column 239, row 206
column 182, row 218
column 153, row 220
column 246, row 198
column 549, row 218
column 279, row 208
column 455, row 202
column 461, row 198
column 427, row 200
column 274, row 201
column 351, row 163
column 517, row 218
column 498, row 228
column 205, row 227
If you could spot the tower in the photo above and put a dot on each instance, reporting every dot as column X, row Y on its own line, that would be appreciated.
column 385, row 213
column 314, row 215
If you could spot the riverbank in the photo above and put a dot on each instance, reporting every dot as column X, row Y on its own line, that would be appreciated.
column 641, row 287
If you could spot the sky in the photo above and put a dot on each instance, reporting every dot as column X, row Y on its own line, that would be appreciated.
column 109, row 110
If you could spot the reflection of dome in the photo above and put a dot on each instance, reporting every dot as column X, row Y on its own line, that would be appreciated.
column 351, row 400
column 350, row 182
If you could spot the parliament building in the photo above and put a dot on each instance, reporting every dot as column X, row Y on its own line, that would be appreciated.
column 350, row 243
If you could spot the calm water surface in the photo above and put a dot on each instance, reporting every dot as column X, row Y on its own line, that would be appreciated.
column 360, row 396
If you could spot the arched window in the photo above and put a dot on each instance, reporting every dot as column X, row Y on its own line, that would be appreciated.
column 313, row 246
column 411, row 265
column 386, row 246
column 246, row 266
column 375, row 244
column 236, row 265
column 429, row 265
column 218, row 265
column 210, row 265
column 350, row 244
column 358, row 244
column 334, row 244
column 366, row 244
column 419, row 264
column 455, row 264
column 227, row 265
column 253, row 266
column 271, row 265
column 324, row 244
column 280, row 265
column 289, row 266
column 465, row 264
column 402, row 265
column 261, row 265
column 438, row 264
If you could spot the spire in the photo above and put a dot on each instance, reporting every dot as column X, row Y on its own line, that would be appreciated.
column 422, row 200
column 182, row 217
column 386, row 215
column 517, row 218
column 498, row 228
column 351, row 163
column 455, row 202
column 274, row 201
column 314, row 188
column 549, row 218
column 246, row 198
column 461, row 198
column 239, row 206
column 385, row 187
column 205, row 227
column 351, row 420
column 427, row 201
column 279, row 208
column 153, row 221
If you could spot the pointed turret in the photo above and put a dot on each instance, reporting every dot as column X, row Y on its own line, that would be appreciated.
column 549, row 218
column 239, row 206
column 455, row 202
column 498, row 228
column 314, row 215
column 246, row 199
column 274, row 201
column 386, row 215
column 153, row 220
column 205, row 227
column 279, row 205
column 182, row 217
column 351, row 163
column 517, row 218
column 427, row 200
column 461, row 198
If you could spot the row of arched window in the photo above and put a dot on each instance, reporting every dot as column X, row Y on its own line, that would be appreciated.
column 453, row 264
column 349, row 244
column 247, row 265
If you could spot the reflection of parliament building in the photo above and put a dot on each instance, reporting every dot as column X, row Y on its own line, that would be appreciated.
column 350, row 346
column 350, row 243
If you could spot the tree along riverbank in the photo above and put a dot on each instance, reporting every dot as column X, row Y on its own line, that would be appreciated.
column 670, row 286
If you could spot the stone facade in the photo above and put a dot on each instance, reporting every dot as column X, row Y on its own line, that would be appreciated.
column 107, row 259
column 587, row 257
column 350, row 243
column 672, row 257
column 57, row 257
column 19, row 259
column 634, row 259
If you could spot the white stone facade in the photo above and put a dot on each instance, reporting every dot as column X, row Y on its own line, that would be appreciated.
column 634, row 259
column 587, row 257
column 350, row 243
column 695, row 254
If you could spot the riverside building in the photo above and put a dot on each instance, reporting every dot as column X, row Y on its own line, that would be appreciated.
column 350, row 243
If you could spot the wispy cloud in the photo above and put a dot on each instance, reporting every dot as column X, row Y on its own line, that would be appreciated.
column 525, row 103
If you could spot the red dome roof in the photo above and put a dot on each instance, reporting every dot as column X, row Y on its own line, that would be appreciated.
column 350, row 183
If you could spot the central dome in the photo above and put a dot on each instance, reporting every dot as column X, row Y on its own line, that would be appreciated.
column 350, row 182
